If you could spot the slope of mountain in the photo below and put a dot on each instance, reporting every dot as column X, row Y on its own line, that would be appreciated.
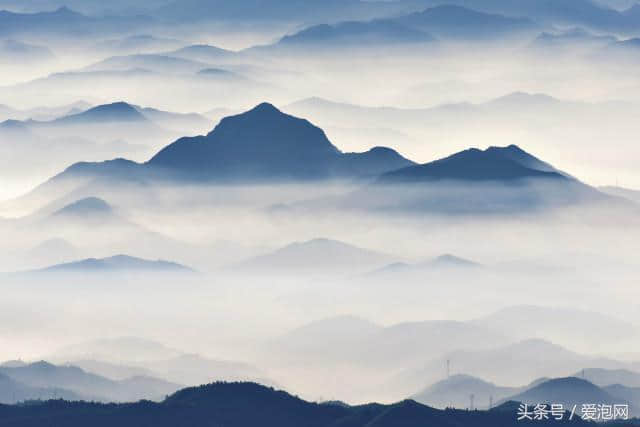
column 89, row 386
column 12, row 392
column 117, row 350
column 265, row 143
column 573, row 327
column 633, row 195
column 203, row 53
column 116, row 112
column 318, row 256
column 569, row 392
column 625, row 394
column 451, row 21
column 64, row 22
column 607, row 377
column 526, row 360
column 492, row 181
column 454, row 392
column 115, row 264
column 249, row 404
column 493, row 164
column 570, row 40
column 87, row 208
column 158, row 63
column 355, row 33
column 14, row 51
column 584, row 13
column 352, row 340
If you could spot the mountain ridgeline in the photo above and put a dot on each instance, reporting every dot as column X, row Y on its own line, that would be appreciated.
column 266, row 143
column 249, row 404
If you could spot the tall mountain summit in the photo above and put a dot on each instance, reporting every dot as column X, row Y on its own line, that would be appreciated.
column 266, row 143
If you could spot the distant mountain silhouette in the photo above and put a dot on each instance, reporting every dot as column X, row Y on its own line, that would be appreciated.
column 249, row 404
column 64, row 22
column 202, row 53
column 12, row 392
column 355, row 33
column 454, row 392
column 606, row 377
column 494, row 164
column 116, row 112
column 573, row 327
column 117, row 263
column 318, row 256
column 570, row 39
column 157, row 63
column 346, row 339
column 265, row 143
column 17, row 52
column 89, row 206
column 440, row 263
column 568, row 392
column 45, row 375
column 527, row 360
column 451, row 21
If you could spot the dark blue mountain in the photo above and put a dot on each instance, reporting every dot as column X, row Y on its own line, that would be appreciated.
column 266, row 143
column 117, row 263
column 451, row 21
column 248, row 404
column 361, row 33
column 493, row 164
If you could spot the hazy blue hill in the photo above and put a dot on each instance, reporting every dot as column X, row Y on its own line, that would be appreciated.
column 451, row 21
column 584, row 13
column 493, row 164
column 116, row 112
column 203, row 53
column 117, row 263
column 90, row 206
column 63, row 22
column 44, row 375
column 455, row 392
column 568, row 392
column 606, row 377
column 248, row 404
column 337, row 35
column 444, row 262
column 570, row 39
column 625, row 393
column 266, row 143
column 372, row 162
column 157, row 63
column 12, row 391
column 317, row 256
column 571, row 326
column 19, row 52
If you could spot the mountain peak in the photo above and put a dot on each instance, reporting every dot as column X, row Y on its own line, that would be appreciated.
column 114, row 112
column 493, row 164
column 86, row 206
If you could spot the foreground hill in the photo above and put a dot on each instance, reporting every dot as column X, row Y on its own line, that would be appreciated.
column 246, row 404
